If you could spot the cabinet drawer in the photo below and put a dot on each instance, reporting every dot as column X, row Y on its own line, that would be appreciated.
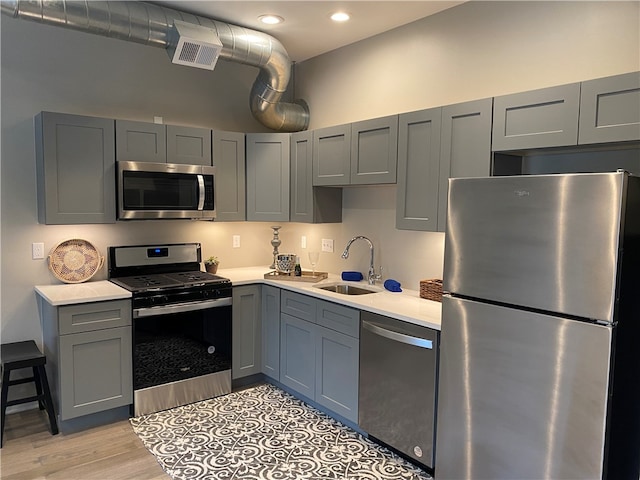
column 299, row 306
column 86, row 317
column 336, row 317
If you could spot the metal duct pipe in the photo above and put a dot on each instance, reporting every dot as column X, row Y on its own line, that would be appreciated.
column 150, row 24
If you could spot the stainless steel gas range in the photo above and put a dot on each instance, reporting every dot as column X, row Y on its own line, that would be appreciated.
column 181, row 324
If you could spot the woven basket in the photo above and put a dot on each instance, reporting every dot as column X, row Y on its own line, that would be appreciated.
column 431, row 289
column 75, row 261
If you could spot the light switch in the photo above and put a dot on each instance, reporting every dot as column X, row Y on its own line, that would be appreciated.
column 327, row 245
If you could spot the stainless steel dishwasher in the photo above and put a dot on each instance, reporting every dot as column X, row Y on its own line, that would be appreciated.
column 398, row 375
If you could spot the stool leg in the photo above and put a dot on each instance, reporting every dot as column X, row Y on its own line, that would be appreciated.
column 3, row 400
column 38, row 382
column 48, row 401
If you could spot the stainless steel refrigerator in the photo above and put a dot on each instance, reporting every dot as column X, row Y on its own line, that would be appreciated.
column 540, row 344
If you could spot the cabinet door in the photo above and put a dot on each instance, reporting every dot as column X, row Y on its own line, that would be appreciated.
column 418, row 170
column 95, row 371
column 536, row 119
column 297, row 305
column 141, row 141
column 337, row 365
column 374, row 151
column 75, row 166
column 85, row 317
column 338, row 317
column 310, row 204
column 230, row 190
column 465, row 147
column 297, row 355
column 268, row 177
column 188, row 145
column 332, row 155
column 247, row 331
column 610, row 109
column 271, row 331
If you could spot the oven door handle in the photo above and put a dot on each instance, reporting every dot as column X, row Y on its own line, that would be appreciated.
column 181, row 307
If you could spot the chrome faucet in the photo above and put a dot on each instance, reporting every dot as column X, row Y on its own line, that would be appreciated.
column 372, row 277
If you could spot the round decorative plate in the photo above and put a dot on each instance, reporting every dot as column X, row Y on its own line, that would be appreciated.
column 75, row 261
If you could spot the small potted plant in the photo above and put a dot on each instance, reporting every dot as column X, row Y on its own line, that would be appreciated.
column 211, row 264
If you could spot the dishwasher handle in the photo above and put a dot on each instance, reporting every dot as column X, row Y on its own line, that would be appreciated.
column 398, row 337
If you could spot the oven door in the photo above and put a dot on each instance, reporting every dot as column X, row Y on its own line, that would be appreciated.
column 182, row 354
column 165, row 191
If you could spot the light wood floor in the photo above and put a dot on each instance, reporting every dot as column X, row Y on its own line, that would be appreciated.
column 111, row 452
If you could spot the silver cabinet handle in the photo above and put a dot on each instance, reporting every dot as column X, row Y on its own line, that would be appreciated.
column 398, row 337
column 180, row 308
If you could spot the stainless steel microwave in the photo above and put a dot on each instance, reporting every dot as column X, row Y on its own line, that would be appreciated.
column 165, row 191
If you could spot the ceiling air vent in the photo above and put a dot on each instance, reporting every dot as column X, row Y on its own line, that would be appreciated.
column 193, row 45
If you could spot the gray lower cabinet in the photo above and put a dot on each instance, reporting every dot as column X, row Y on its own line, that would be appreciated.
column 297, row 355
column 374, row 151
column 89, row 356
column 246, row 357
column 75, row 168
column 332, row 156
column 229, row 160
column 268, row 176
column 540, row 118
column 271, row 331
column 141, row 141
column 319, row 352
column 310, row 204
column 610, row 109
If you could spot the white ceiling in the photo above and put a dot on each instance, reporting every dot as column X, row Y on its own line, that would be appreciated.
column 307, row 30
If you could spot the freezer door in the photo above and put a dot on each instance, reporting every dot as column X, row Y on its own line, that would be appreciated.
column 549, row 242
column 521, row 395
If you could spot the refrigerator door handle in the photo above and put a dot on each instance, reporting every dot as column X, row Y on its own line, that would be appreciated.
column 398, row 337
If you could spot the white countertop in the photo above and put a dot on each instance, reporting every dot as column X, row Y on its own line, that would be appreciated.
column 406, row 305
column 68, row 294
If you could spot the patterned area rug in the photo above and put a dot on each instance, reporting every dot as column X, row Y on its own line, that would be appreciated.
column 264, row 433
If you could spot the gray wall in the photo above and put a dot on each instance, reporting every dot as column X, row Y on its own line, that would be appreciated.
column 476, row 50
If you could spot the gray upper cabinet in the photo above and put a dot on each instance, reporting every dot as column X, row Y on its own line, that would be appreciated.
column 465, row 147
column 374, row 151
column 75, row 168
column 153, row 142
column 418, row 170
column 268, row 177
column 188, row 145
column 310, row 204
column 332, row 156
column 230, row 188
column 610, row 109
column 141, row 141
column 536, row 119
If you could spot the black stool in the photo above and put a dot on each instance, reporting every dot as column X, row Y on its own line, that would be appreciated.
column 24, row 355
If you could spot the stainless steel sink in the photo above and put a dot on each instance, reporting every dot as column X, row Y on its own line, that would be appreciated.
column 346, row 289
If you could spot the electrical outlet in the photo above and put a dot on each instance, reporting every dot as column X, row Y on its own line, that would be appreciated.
column 37, row 251
column 236, row 241
column 327, row 245
column 303, row 241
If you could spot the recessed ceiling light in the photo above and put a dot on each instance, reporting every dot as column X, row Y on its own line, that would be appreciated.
column 340, row 17
column 271, row 19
